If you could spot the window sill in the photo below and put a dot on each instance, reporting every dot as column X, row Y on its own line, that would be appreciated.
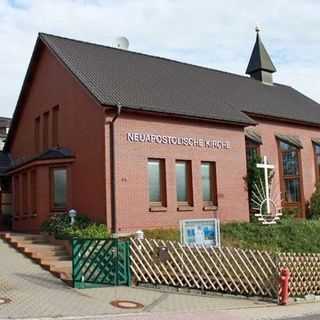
column 185, row 208
column 210, row 208
column 157, row 209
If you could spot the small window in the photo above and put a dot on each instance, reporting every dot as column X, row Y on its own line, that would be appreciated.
column 33, row 190
column 55, row 126
column 157, row 189
column 59, row 189
column 184, row 183
column 37, row 135
column 46, row 131
column 25, row 193
column 209, row 185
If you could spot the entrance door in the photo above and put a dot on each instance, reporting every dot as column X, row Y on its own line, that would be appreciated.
column 291, row 177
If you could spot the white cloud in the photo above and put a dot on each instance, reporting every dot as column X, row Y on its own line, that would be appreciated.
column 219, row 34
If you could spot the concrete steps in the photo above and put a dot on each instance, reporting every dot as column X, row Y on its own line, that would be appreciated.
column 51, row 257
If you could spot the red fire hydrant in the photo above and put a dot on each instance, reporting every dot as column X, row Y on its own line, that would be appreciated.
column 284, row 286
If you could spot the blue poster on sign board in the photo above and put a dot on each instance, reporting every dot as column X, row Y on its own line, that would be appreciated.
column 200, row 232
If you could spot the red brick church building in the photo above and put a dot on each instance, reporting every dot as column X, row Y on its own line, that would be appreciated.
column 137, row 141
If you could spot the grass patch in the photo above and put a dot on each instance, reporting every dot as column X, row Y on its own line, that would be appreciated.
column 290, row 235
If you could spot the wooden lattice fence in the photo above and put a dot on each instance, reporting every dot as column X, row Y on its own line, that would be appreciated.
column 304, row 270
column 227, row 270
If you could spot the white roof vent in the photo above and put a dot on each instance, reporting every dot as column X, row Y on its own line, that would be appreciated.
column 121, row 43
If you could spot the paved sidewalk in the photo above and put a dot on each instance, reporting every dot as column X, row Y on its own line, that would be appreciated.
column 36, row 293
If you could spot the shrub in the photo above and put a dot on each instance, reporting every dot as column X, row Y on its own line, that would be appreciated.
column 315, row 203
column 59, row 226
column 92, row 231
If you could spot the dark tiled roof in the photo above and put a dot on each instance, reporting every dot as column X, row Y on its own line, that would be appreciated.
column 143, row 82
column 150, row 83
column 5, row 162
column 50, row 154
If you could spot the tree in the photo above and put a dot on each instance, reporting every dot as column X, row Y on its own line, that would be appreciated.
column 315, row 203
column 253, row 179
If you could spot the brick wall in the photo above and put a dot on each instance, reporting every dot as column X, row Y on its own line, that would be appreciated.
column 132, row 175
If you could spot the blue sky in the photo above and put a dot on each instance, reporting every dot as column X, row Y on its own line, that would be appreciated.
column 216, row 34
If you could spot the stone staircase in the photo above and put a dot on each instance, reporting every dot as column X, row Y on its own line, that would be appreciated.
column 52, row 257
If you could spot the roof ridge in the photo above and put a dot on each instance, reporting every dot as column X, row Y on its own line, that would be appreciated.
column 151, row 56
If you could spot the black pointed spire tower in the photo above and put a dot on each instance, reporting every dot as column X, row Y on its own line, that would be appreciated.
column 260, row 66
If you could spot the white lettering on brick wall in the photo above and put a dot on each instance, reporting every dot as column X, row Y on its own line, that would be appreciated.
column 181, row 141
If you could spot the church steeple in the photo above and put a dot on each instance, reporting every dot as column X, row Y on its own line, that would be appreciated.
column 260, row 66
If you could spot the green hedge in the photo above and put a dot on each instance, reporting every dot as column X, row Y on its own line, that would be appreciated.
column 163, row 234
column 290, row 235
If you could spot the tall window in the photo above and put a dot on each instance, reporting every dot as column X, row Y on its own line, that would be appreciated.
column 58, row 189
column 25, row 193
column 317, row 160
column 290, row 173
column 33, row 190
column 16, row 182
column 37, row 135
column 252, row 150
column 184, row 183
column 157, row 191
column 45, row 135
column 55, row 126
column 209, row 184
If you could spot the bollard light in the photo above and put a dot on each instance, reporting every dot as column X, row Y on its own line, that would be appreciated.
column 72, row 214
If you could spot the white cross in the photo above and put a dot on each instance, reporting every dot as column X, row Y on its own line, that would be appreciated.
column 266, row 166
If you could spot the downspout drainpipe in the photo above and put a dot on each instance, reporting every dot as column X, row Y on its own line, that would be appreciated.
column 113, row 171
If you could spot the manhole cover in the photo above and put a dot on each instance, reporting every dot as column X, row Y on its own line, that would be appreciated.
column 4, row 300
column 126, row 304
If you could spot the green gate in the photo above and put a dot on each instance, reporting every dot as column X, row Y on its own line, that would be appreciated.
column 97, row 262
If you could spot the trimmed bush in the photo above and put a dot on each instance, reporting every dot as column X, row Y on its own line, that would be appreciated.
column 290, row 235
